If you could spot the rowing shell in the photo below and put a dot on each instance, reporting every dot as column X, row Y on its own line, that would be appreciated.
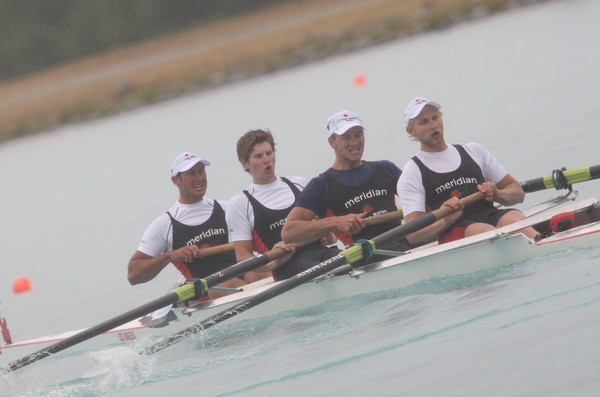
column 491, row 249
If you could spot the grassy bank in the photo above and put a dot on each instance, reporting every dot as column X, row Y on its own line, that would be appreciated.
column 215, row 54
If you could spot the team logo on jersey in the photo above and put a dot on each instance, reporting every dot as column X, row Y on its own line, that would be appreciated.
column 454, row 183
column 206, row 234
column 365, row 196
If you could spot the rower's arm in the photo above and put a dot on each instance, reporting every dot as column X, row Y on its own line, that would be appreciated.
column 301, row 227
column 244, row 249
column 430, row 233
column 143, row 268
column 508, row 191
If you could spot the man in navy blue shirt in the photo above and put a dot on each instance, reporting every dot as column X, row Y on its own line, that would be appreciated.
column 352, row 189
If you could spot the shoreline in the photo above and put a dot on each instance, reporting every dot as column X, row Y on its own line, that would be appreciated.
column 216, row 54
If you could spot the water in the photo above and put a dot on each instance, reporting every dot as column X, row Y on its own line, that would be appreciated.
column 75, row 203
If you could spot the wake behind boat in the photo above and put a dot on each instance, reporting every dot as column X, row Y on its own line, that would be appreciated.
column 566, row 225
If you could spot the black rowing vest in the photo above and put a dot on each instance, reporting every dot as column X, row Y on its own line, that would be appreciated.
column 208, row 234
column 460, row 183
column 268, row 222
column 375, row 197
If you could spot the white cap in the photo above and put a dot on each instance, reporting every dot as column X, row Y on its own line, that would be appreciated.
column 415, row 107
column 185, row 161
column 341, row 122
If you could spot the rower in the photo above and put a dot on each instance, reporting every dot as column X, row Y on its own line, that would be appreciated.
column 440, row 174
column 179, row 235
column 257, row 215
column 341, row 199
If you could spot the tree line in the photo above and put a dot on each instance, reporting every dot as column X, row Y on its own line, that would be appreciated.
column 39, row 34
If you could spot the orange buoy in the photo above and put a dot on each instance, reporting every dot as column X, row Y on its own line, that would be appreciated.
column 21, row 284
column 359, row 79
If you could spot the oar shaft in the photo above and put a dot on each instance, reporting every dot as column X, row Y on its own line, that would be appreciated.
column 179, row 294
column 243, row 267
column 88, row 333
column 574, row 175
column 249, row 303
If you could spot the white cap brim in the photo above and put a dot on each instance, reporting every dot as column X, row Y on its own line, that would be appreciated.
column 190, row 164
column 341, row 130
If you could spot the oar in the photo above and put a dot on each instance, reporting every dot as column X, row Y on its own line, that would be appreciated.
column 191, row 290
column 347, row 256
column 561, row 179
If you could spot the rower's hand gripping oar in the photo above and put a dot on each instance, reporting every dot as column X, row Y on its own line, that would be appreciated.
column 347, row 256
column 561, row 179
column 193, row 289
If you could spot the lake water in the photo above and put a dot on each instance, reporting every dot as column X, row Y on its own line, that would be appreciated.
column 524, row 84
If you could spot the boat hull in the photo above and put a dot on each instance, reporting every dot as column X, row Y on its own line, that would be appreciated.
column 486, row 251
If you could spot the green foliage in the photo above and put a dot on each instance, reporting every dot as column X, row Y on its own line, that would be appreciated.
column 37, row 34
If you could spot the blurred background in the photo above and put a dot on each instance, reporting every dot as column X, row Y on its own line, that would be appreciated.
column 67, row 61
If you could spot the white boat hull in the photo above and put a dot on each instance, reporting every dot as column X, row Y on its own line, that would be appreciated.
column 488, row 250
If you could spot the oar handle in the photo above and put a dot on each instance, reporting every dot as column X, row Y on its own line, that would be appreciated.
column 217, row 249
column 383, row 218
column 560, row 179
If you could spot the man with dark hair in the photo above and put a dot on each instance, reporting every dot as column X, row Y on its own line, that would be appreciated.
column 195, row 221
column 257, row 215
